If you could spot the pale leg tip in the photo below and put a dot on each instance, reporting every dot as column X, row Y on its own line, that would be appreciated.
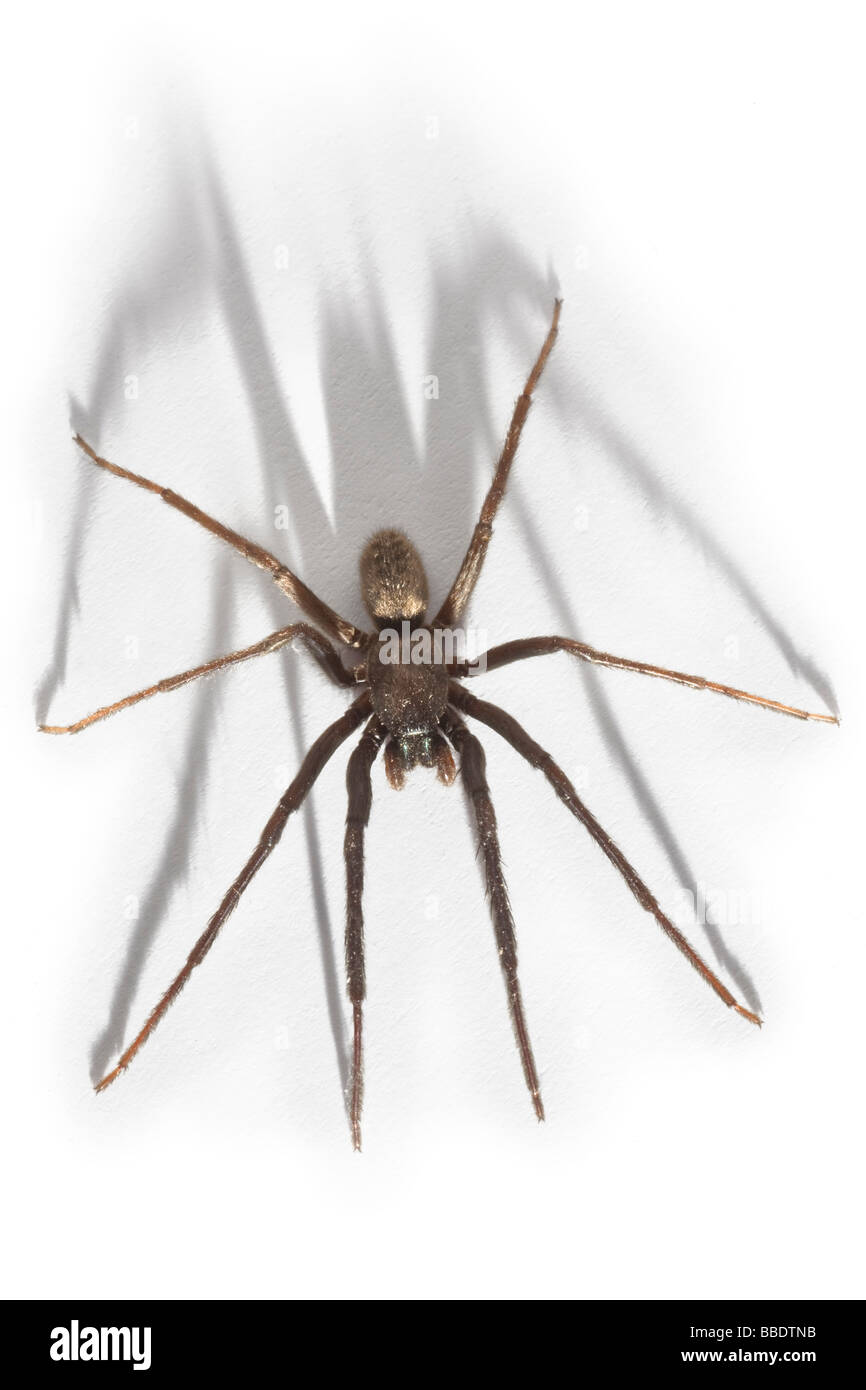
column 753, row 1018
column 106, row 1081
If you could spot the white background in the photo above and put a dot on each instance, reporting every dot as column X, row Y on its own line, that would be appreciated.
column 278, row 224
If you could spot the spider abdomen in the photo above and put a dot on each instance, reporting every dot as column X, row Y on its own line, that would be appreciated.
column 393, row 581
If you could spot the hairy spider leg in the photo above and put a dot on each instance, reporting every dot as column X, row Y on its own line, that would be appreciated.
column 473, row 772
column 309, row 603
column 313, row 641
column 508, row 728
column 467, row 577
column 360, row 790
column 524, row 647
column 317, row 756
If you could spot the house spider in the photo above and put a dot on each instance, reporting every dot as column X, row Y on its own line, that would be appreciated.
column 415, row 711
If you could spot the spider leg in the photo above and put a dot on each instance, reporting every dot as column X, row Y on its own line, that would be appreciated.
column 324, row 747
column 505, row 725
column 525, row 647
column 461, row 589
column 360, row 789
column 327, row 657
column 314, row 607
column 472, row 770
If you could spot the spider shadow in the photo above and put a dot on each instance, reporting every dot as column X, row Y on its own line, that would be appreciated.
column 170, row 281
column 194, row 257
column 640, row 475
column 576, row 402
column 428, row 486
column 179, row 840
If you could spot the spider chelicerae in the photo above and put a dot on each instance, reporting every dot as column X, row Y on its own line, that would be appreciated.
column 412, row 707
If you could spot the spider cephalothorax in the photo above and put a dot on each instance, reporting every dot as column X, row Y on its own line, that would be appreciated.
column 412, row 703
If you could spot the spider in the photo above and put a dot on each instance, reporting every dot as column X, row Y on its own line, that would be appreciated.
column 415, row 710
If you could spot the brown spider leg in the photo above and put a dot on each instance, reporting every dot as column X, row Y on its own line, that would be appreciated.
column 295, row 588
column 461, row 590
column 360, row 789
column 324, row 747
column 324, row 653
column 509, row 729
column 472, row 770
column 525, row 647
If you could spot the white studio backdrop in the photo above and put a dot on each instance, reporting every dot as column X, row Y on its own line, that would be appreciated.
column 297, row 269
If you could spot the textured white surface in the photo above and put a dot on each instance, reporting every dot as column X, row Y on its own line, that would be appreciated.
column 279, row 236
